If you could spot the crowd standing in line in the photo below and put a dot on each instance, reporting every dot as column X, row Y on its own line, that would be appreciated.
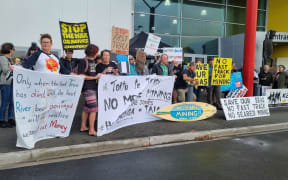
column 93, row 65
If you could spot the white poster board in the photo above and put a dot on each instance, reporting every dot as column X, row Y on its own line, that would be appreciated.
column 245, row 107
column 174, row 54
column 264, row 89
column 128, row 100
column 45, row 105
column 237, row 92
column 277, row 96
column 152, row 44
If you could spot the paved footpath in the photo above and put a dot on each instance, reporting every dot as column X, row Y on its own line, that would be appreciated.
column 261, row 157
column 156, row 128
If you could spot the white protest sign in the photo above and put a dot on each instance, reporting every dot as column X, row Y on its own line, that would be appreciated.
column 174, row 54
column 237, row 93
column 45, row 105
column 245, row 107
column 127, row 100
column 264, row 89
column 277, row 96
column 152, row 44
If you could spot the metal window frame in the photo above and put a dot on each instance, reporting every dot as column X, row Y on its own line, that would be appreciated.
column 181, row 17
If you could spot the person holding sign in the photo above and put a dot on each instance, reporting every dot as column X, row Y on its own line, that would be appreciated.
column 43, row 60
column 107, row 67
column 140, row 67
column 6, row 68
column 181, row 84
column 68, row 61
column 213, row 90
column 87, row 68
column 162, row 68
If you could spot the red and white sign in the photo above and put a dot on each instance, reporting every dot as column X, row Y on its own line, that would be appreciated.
column 152, row 44
column 174, row 54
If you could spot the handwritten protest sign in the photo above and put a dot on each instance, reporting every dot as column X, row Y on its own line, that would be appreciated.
column 202, row 74
column 127, row 100
column 237, row 93
column 245, row 107
column 221, row 71
column 120, row 46
column 74, row 35
column 174, row 54
column 235, row 82
column 45, row 105
column 120, row 41
column 277, row 97
column 152, row 44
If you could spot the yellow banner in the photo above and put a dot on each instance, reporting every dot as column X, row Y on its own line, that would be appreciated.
column 74, row 35
column 202, row 74
column 221, row 71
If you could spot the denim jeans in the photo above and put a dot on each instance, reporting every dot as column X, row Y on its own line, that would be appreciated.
column 6, row 100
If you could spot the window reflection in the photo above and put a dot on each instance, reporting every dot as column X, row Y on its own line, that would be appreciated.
column 173, row 41
column 162, row 24
column 200, row 23
column 164, row 7
column 206, row 11
column 202, row 28
column 200, row 45
column 232, row 29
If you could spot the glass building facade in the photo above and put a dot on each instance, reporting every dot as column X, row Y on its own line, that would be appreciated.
column 194, row 25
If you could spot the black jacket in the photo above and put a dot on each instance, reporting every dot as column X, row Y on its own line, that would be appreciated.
column 158, row 70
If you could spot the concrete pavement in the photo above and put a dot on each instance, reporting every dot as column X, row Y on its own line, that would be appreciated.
column 257, row 157
column 140, row 135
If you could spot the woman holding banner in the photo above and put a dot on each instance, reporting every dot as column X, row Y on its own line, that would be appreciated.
column 87, row 68
column 43, row 60
column 6, row 67
column 107, row 67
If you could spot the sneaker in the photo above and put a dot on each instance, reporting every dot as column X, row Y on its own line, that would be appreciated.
column 4, row 124
column 12, row 122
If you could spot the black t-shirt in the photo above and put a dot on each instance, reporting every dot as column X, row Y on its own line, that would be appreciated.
column 101, row 67
column 70, row 64
column 91, row 71
column 268, row 76
column 180, row 82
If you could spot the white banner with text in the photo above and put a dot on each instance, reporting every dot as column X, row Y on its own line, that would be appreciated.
column 245, row 107
column 128, row 100
column 45, row 105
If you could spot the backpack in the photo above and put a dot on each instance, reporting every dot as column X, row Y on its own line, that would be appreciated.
column 76, row 69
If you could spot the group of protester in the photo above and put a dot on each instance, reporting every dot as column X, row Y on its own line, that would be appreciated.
column 93, row 65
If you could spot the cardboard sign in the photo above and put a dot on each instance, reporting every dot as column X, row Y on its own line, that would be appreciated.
column 120, row 41
column 152, row 44
column 45, row 105
column 128, row 100
column 202, row 74
column 264, row 89
column 237, row 93
column 174, row 54
column 277, row 96
column 221, row 71
column 235, row 82
column 245, row 107
column 74, row 35
column 186, row 112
